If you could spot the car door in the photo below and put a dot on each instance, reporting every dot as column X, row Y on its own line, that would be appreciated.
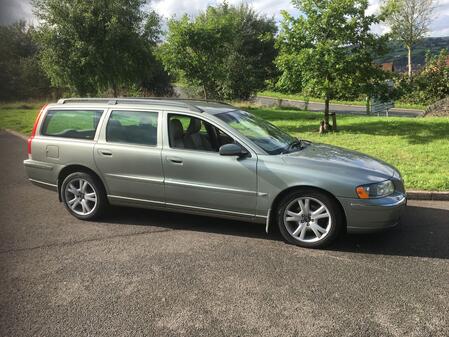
column 197, row 177
column 128, row 155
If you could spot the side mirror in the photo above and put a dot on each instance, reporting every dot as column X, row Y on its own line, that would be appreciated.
column 232, row 150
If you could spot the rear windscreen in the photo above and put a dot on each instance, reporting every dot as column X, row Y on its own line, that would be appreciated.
column 79, row 124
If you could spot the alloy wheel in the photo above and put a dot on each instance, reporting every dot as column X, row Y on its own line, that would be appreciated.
column 80, row 196
column 307, row 219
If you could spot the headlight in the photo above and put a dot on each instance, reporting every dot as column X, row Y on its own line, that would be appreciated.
column 377, row 190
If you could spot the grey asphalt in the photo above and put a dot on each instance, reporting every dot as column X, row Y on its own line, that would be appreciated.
column 337, row 108
column 146, row 273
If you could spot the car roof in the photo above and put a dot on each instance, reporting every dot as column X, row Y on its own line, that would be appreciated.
column 194, row 105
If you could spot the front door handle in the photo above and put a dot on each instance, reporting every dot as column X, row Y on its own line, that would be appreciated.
column 105, row 152
column 175, row 160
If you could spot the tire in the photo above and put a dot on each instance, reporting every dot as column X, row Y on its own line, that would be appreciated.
column 83, row 196
column 312, row 224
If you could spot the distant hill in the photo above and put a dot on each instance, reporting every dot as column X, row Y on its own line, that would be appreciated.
column 398, row 54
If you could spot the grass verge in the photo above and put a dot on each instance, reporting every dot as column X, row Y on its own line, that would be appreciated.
column 418, row 147
column 19, row 116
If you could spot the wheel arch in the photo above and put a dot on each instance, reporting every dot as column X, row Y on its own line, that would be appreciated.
column 278, row 198
column 69, row 169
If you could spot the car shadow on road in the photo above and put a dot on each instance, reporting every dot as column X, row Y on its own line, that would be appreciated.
column 423, row 232
column 181, row 221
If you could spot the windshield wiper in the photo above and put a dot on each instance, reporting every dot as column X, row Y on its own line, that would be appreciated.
column 297, row 143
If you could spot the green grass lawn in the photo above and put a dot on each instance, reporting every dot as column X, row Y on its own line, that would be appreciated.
column 300, row 97
column 19, row 116
column 418, row 147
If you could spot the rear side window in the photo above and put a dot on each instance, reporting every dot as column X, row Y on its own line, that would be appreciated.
column 132, row 127
column 79, row 124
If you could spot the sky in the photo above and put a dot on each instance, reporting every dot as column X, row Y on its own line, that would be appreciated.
column 13, row 10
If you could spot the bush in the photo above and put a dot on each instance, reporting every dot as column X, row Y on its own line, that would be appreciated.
column 430, row 84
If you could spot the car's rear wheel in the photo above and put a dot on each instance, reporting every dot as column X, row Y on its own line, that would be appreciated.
column 309, row 218
column 83, row 196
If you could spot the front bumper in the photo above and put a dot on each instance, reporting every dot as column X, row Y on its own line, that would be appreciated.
column 371, row 215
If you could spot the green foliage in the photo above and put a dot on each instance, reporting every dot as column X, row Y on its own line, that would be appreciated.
column 433, row 80
column 430, row 84
column 227, row 51
column 290, row 79
column 98, row 45
column 157, row 82
column 21, row 76
column 328, row 51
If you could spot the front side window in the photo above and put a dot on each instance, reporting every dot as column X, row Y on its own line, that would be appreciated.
column 192, row 133
column 267, row 136
column 132, row 127
column 79, row 124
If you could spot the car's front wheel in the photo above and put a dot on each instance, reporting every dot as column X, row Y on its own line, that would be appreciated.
column 309, row 218
column 83, row 196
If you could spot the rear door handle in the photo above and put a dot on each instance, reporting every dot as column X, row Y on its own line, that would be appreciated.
column 105, row 152
column 175, row 160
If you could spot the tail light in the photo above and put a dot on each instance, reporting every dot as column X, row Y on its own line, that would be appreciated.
column 33, row 132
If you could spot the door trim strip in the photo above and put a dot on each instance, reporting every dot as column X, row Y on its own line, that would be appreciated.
column 136, row 178
column 209, row 187
column 136, row 199
column 52, row 187
column 211, row 209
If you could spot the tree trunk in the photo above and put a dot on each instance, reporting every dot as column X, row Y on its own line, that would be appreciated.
column 114, row 89
column 409, row 62
column 204, row 92
column 334, row 122
column 368, row 101
column 306, row 103
column 326, row 114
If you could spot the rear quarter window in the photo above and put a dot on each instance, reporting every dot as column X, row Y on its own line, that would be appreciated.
column 78, row 124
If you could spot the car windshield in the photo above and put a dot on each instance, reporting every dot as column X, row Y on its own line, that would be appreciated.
column 267, row 136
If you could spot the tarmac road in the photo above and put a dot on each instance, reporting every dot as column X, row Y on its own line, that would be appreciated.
column 147, row 273
column 344, row 109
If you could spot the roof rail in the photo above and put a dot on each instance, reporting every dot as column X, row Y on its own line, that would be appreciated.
column 198, row 100
column 134, row 100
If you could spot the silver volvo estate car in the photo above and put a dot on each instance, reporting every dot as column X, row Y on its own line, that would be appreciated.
column 207, row 158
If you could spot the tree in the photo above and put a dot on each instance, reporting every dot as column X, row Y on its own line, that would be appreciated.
column 96, row 45
column 227, row 51
column 21, row 76
column 330, row 49
column 155, row 81
column 409, row 22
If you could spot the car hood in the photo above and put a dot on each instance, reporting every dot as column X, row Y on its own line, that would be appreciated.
column 333, row 158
